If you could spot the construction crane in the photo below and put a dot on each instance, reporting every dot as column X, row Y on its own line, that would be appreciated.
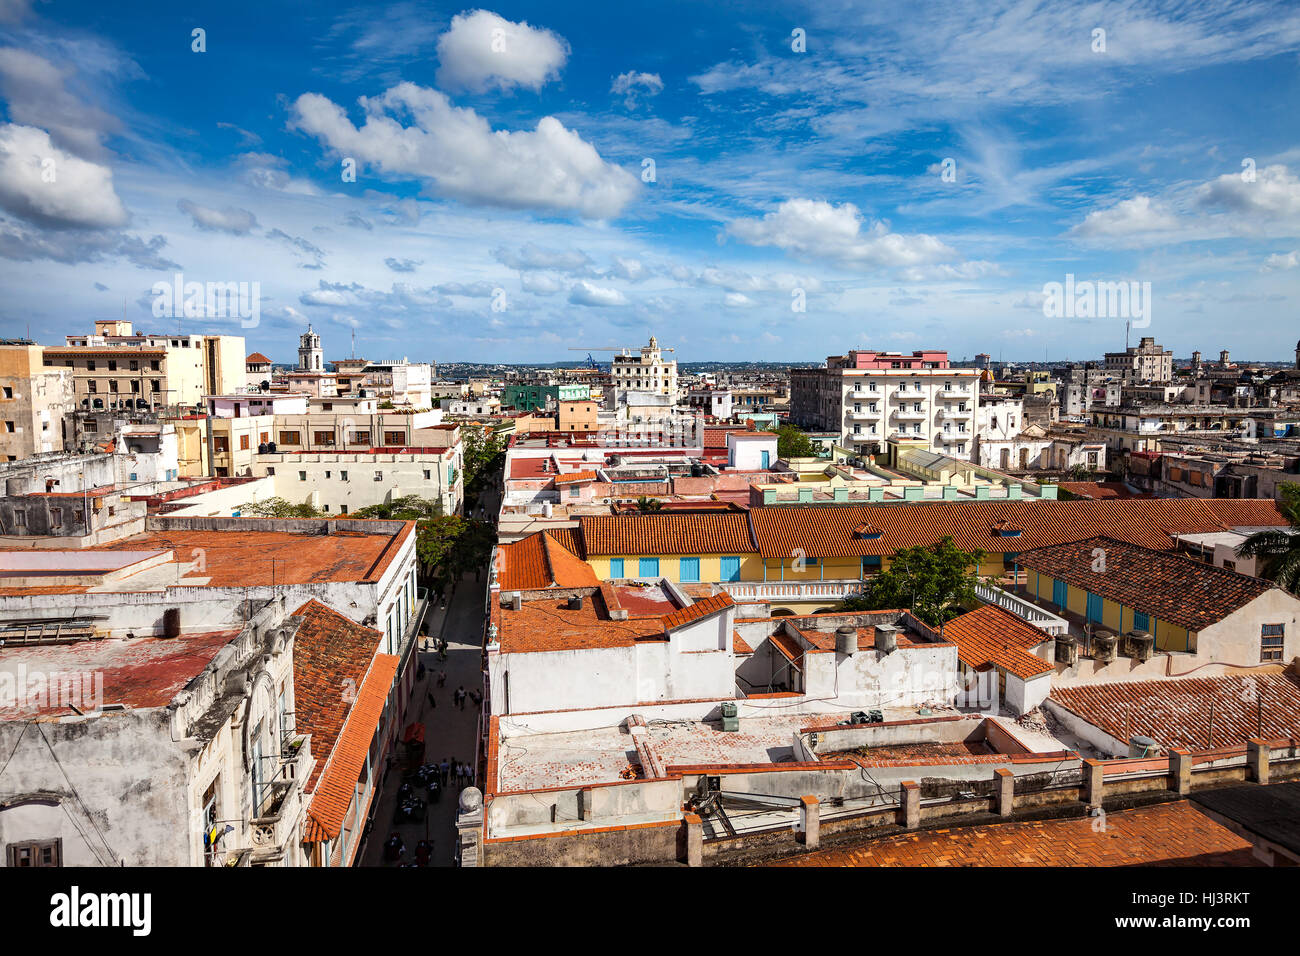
column 622, row 349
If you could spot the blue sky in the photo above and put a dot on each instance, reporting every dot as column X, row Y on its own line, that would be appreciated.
column 503, row 207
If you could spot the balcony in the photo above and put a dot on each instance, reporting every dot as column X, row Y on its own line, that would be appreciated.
column 911, row 414
column 273, row 826
column 863, row 414
column 861, row 394
column 954, row 393
column 955, row 413
column 752, row 592
column 953, row 437
column 1027, row 610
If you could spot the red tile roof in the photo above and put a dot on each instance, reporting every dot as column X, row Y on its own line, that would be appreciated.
column 700, row 609
column 828, row 531
column 1174, row 588
column 337, row 787
column 257, row 358
column 1177, row 712
column 575, row 476
column 331, row 655
column 990, row 635
column 1103, row 490
column 551, row 625
column 666, row 534
column 540, row 561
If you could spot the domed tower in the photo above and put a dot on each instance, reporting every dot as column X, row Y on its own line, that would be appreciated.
column 1297, row 355
column 310, row 356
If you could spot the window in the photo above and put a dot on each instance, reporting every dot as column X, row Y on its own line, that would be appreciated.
column 302, row 476
column 1094, row 608
column 243, row 442
column 394, row 438
column 20, row 517
column 428, row 475
column 36, row 853
column 112, row 365
column 289, row 438
column 9, row 426
column 379, row 476
column 359, row 438
column 9, row 392
column 90, row 365
column 155, row 385
column 323, row 438
column 92, row 386
column 1141, row 622
column 343, row 476
column 1272, row 637
column 1060, row 592
column 112, row 385
column 689, row 570
column 729, row 568
column 154, row 365
column 648, row 568
column 343, row 509
column 615, row 568
column 221, row 443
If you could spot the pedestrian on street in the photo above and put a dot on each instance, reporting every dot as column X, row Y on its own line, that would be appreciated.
column 442, row 678
column 420, row 671
column 433, row 701
column 460, row 697
column 445, row 768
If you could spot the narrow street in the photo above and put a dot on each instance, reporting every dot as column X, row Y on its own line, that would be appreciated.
column 449, row 731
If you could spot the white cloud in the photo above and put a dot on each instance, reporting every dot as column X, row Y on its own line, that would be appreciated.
column 532, row 256
column 81, row 194
column 627, row 268
column 1139, row 215
column 232, row 219
column 1274, row 194
column 327, row 297
column 482, row 51
column 456, row 153
column 813, row 228
column 1288, row 260
column 585, row 293
column 737, row 300
column 539, row 283
column 631, row 84
column 36, row 95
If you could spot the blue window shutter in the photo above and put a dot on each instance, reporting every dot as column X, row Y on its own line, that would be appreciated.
column 1059, row 592
column 649, row 568
column 1141, row 622
column 1094, row 607
column 729, row 568
column 688, row 571
column 615, row 568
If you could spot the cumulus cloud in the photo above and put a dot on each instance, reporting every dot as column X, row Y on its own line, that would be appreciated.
column 540, row 283
column 814, row 229
column 627, row 268
column 311, row 256
column 737, row 300
column 532, row 256
column 631, row 84
column 483, row 51
column 456, row 153
column 401, row 265
column 47, row 186
column 1130, row 217
column 1273, row 194
column 474, row 290
column 586, row 293
column 1289, row 260
column 236, row 221
column 35, row 92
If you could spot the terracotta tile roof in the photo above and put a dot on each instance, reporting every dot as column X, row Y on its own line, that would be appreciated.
column 551, row 625
column 1103, row 490
column 540, row 561
column 700, row 609
column 1174, row 588
column 575, row 476
column 331, row 655
column 257, row 358
column 828, row 531
column 788, row 646
column 739, row 645
column 666, row 534
column 1175, row 712
column 1162, row 835
column 990, row 635
column 337, row 785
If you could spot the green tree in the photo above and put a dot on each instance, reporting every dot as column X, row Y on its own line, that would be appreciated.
column 278, row 508
column 448, row 546
column 792, row 443
column 484, row 455
column 1278, row 551
column 932, row 580
column 647, row 506
column 406, row 508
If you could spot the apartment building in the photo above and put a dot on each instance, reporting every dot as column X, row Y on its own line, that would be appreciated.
column 344, row 482
column 1145, row 362
column 33, row 401
column 646, row 371
column 870, row 396
column 116, row 365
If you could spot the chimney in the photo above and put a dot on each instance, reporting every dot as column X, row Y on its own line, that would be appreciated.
column 575, row 602
column 886, row 638
column 846, row 640
column 512, row 600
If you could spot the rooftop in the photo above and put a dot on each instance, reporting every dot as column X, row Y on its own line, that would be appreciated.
column 991, row 636
column 1193, row 712
column 1178, row 589
column 138, row 672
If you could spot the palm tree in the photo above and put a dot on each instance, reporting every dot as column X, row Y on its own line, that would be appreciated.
column 648, row 505
column 1278, row 550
